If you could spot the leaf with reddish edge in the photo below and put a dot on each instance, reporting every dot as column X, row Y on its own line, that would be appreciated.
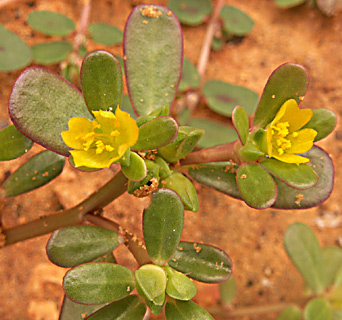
column 153, row 57
column 289, row 198
column 101, row 80
column 41, row 104
column 185, row 310
column 241, row 123
column 289, row 81
column 256, row 186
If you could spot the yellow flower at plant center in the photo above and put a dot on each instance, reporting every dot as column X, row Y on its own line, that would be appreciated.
column 101, row 142
column 284, row 137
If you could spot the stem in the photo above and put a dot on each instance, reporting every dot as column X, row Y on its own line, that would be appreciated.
column 74, row 216
column 132, row 242
column 224, row 152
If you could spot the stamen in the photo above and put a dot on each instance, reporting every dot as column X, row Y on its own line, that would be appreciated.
column 295, row 134
column 109, row 148
column 99, row 146
column 115, row 133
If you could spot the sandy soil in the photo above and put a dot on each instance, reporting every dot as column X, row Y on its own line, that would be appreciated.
column 31, row 286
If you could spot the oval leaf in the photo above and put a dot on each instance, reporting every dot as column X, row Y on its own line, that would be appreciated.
column 153, row 51
column 151, row 282
column 190, row 79
column 296, row 176
column 317, row 309
column 288, row 3
column 105, row 34
column 235, row 21
column 36, row 172
column 13, row 143
column 179, row 286
column 131, row 308
column 323, row 121
column 289, row 81
column 191, row 12
column 94, row 283
column 201, row 262
column 220, row 176
column 101, row 80
column 51, row 23
column 241, row 123
column 51, row 52
column 222, row 97
column 184, row 188
column 14, row 52
column 290, row 313
column 256, row 186
column 163, row 225
column 289, row 198
column 41, row 104
column 156, row 133
column 136, row 170
column 228, row 291
column 71, row 246
column 304, row 250
column 332, row 261
column 185, row 310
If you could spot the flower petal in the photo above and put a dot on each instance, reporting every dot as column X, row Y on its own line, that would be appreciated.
column 303, row 142
column 78, row 127
column 106, row 119
column 291, row 158
column 92, row 160
column 129, row 130
column 292, row 114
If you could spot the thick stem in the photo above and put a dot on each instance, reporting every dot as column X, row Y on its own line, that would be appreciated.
column 74, row 216
column 133, row 243
column 225, row 152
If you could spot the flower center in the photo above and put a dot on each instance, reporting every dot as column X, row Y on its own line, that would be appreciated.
column 279, row 132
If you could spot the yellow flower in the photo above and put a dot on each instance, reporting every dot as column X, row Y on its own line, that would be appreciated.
column 99, row 143
column 284, row 139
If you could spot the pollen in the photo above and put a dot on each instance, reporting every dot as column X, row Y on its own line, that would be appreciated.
column 99, row 147
column 150, row 11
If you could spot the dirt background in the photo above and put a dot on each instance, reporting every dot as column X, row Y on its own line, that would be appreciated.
column 30, row 286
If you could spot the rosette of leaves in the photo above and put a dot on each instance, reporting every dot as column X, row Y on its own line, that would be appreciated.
column 260, row 180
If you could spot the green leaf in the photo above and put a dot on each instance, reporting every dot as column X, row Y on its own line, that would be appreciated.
column 51, row 52
column 105, row 34
column 323, row 121
column 289, row 81
column 190, row 79
column 163, row 225
column 51, row 23
column 305, row 252
column 241, row 123
column 300, row 176
column 220, row 176
column 184, row 188
column 164, row 170
column 337, row 315
column 289, row 198
column 222, row 97
column 95, row 283
column 156, row 133
column 13, row 143
column 185, row 310
column 288, row 3
column 179, row 286
column 332, row 262
column 317, row 309
column 250, row 152
column 127, row 106
column 130, row 308
column 215, row 133
column 36, row 172
column 184, row 143
column 217, row 44
column 191, row 12
column 228, row 291
column 121, row 61
column 163, row 111
column 14, row 52
column 153, row 51
column 101, row 80
column 235, row 21
column 290, row 313
column 40, row 105
column 71, row 246
column 256, row 186
column 76, row 311
column 136, row 170
column 201, row 262
column 151, row 282
column 156, row 308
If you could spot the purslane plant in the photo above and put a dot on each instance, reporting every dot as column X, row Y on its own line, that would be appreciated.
column 265, row 167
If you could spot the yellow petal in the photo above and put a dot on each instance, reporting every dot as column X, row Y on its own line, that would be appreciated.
column 291, row 158
column 106, row 119
column 291, row 113
column 129, row 130
column 303, row 142
column 78, row 127
column 92, row 160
